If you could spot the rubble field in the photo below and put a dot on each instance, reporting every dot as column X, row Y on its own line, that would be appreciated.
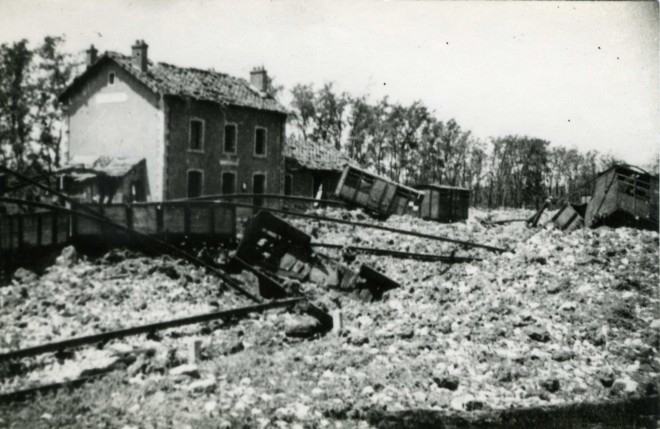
column 562, row 318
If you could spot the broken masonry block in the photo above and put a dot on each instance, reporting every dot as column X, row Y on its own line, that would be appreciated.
column 337, row 321
column 194, row 350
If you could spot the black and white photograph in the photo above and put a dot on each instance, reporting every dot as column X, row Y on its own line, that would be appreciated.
column 293, row 214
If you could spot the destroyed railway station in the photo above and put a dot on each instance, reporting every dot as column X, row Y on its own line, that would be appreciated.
column 190, row 250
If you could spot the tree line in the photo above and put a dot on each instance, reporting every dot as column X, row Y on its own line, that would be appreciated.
column 406, row 143
column 410, row 145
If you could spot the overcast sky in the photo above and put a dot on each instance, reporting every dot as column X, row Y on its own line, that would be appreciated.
column 581, row 74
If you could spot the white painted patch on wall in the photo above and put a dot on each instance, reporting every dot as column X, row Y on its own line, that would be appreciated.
column 229, row 163
column 111, row 97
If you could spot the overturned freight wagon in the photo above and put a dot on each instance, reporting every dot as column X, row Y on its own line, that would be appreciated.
column 624, row 196
column 570, row 217
column 444, row 203
column 377, row 195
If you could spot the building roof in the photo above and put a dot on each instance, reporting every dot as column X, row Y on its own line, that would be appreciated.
column 315, row 156
column 206, row 85
column 87, row 166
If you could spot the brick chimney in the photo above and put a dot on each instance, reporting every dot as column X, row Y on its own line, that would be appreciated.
column 91, row 55
column 140, row 55
column 259, row 78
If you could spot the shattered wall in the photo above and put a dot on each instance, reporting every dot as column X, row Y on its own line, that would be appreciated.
column 119, row 120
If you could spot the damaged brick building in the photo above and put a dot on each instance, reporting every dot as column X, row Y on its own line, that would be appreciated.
column 200, row 132
column 312, row 167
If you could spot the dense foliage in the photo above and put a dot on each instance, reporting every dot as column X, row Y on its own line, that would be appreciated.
column 408, row 144
column 30, row 116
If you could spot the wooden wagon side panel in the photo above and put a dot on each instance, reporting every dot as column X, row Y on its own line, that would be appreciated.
column 30, row 229
column 47, row 229
column 568, row 218
column 599, row 201
column 224, row 221
column 9, row 230
column 145, row 218
column 460, row 204
column 174, row 219
column 201, row 221
column 86, row 226
column 425, row 206
column 117, row 213
column 62, row 227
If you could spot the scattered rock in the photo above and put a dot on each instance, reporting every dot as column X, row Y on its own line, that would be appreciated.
column 539, row 334
column 607, row 379
column 446, row 382
column 202, row 386
column 568, row 306
column 186, row 369
column 357, row 339
column 236, row 347
column 551, row 385
column 23, row 276
column 563, row 355
column 101, row 365
column 305, row 328
column 623, row 385
column 68, row 257
column 210, row 406
column 474, row 405
column 368, row 391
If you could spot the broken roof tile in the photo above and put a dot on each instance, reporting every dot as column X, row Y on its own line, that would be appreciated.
column 207, row 85
column 315, row 155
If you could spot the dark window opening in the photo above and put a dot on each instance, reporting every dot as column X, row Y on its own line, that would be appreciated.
column 196, row 134
column 288, row 184
column 258, row 187
column 137, row 191
column 260, row 142
column 230, row 139
column 194, row 184
column 228, row 183
column 111, row 79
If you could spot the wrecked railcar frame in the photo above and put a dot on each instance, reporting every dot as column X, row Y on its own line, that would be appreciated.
column 272, row 245
column 379, row 196
column 624, row 195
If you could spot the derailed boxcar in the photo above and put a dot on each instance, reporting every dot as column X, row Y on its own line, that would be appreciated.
column 624, row 196
column 377, row 195
column 444, row 203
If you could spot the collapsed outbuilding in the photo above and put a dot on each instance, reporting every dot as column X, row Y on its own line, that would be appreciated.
column 103, row 179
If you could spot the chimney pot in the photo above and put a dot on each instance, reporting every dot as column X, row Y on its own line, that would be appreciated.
column 91, row 56
column 259, row 79
column 139, row 57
